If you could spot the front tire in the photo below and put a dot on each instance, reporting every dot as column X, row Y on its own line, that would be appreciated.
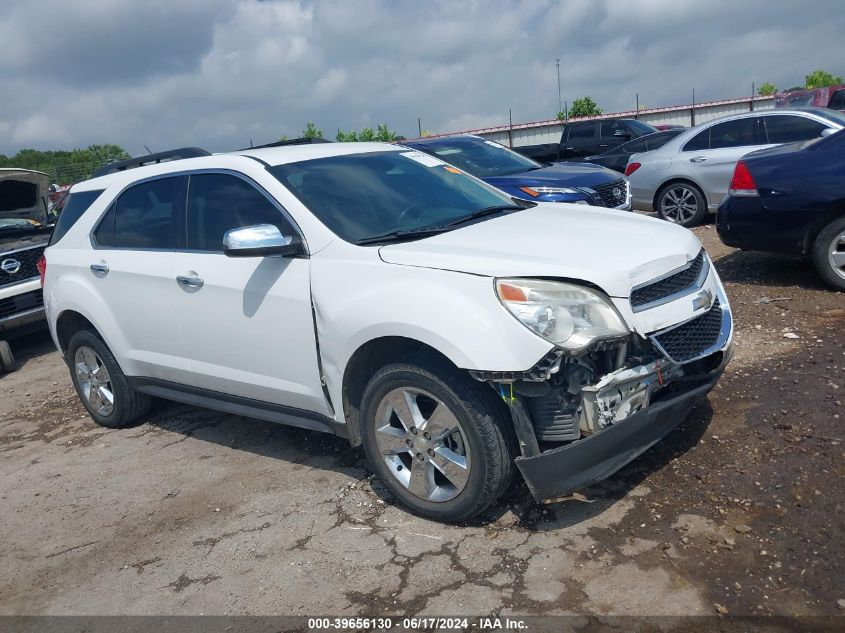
column 829, row 254
column 7, row 359
column 440, row 441
column 681, row 203
column 101, row 385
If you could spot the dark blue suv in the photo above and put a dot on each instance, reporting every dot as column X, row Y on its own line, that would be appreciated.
column 523, row 178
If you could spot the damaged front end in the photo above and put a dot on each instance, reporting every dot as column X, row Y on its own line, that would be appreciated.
column 578, row 420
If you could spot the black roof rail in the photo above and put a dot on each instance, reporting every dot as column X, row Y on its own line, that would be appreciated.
column 151, row 159
column 305, row 140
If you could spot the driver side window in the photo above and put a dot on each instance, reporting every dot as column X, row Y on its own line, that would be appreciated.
column 221, row 202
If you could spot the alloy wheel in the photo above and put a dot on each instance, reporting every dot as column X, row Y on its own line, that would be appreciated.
column 836, row 254
column 94, row 380
column 678, row 204
column 423, row 444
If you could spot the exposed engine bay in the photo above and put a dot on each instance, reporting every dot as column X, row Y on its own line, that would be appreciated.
column 581, row 396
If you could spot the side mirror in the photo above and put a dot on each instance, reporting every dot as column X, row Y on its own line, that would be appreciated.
column 262, row 240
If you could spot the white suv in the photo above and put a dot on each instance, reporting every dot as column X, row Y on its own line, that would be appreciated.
column 380, row 294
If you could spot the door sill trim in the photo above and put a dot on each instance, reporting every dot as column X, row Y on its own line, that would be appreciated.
column 237, row 405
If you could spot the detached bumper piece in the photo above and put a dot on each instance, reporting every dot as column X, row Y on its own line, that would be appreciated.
column 563, row 470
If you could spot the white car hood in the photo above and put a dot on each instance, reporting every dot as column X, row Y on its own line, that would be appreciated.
column 614, row 250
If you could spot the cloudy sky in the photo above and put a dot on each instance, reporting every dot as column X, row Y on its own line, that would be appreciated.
column 217, row 73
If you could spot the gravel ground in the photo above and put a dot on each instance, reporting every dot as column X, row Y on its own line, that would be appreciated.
column 739, row 511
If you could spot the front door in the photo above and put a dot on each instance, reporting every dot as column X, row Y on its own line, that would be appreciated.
column 246, row 321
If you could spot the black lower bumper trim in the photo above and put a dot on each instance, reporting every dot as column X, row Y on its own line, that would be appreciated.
column 563, row 470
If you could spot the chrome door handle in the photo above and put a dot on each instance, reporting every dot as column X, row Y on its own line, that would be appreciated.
column 190, row 282
column 100, row 269
column 697, row 159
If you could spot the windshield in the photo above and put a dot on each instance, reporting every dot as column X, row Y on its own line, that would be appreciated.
column 361, row 196
column 482, row 159
column 641, row 128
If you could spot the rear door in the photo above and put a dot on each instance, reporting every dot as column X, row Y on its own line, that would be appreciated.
column 710, row 156
column 582, row 140
column 247, row 321
column 132, row 271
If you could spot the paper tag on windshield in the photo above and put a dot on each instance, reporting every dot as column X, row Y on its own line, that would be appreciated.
column 423, row 159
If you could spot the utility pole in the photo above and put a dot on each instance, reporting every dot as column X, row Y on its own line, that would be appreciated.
column 752, row 95
column 692, row 110
column 637, row 115
column 419, row 126
column 510, row 128
column 557, row 63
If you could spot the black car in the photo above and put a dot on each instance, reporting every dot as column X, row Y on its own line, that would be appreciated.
column 616, row 158
column 586, row 138
column 791, row 199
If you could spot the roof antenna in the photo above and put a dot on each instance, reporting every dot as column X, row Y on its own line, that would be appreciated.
column 149, row 151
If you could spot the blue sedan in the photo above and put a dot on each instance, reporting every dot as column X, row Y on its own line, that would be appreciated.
column 523, row 178
column 791, row 199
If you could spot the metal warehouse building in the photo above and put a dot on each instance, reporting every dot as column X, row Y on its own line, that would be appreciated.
column 538, row 132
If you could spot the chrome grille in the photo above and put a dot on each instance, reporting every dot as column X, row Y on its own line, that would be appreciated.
column 27, row 259
column 668, row 286
column 605, row 192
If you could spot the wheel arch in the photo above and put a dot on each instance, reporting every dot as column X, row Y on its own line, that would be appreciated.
column 366, row 361
column 68, row 323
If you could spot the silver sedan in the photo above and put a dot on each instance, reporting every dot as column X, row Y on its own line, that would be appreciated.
column 688, row 177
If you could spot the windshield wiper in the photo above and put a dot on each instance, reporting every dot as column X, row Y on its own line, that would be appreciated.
column 439, row 228
column 483, row 213
column 399, row 235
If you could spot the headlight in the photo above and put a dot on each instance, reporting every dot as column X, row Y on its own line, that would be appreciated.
column 571, row 317
column 538, row 191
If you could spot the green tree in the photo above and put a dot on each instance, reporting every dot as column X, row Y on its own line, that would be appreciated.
column 767, row 89
column 820, row 78
column 312, row 132
column 346, row 137
column 66, row 166
column 584, row 106
column 381, row 133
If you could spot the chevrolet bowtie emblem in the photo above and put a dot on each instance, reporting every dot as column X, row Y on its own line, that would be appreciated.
column 704, row 299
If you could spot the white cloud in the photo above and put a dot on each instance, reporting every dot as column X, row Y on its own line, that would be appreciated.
column 220, row 73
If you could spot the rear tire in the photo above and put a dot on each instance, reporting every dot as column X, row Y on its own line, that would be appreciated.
column 829, row 254
column 7, row 359
column 100, row 383
column 440, row 441
column 682, row 203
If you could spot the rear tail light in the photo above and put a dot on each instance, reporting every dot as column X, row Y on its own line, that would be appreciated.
column 631, row 168
column 41, row 265
column 742, row 184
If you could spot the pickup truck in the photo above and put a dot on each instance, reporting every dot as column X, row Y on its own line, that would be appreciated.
column 586, row 138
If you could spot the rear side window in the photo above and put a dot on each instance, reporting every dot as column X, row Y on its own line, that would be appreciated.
column 583, row 130
column 736, row 133
column 698, row 142
column 634, row 147
column 790, row 129
column 146, row 216
column 221, row 202
column 74, row 207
